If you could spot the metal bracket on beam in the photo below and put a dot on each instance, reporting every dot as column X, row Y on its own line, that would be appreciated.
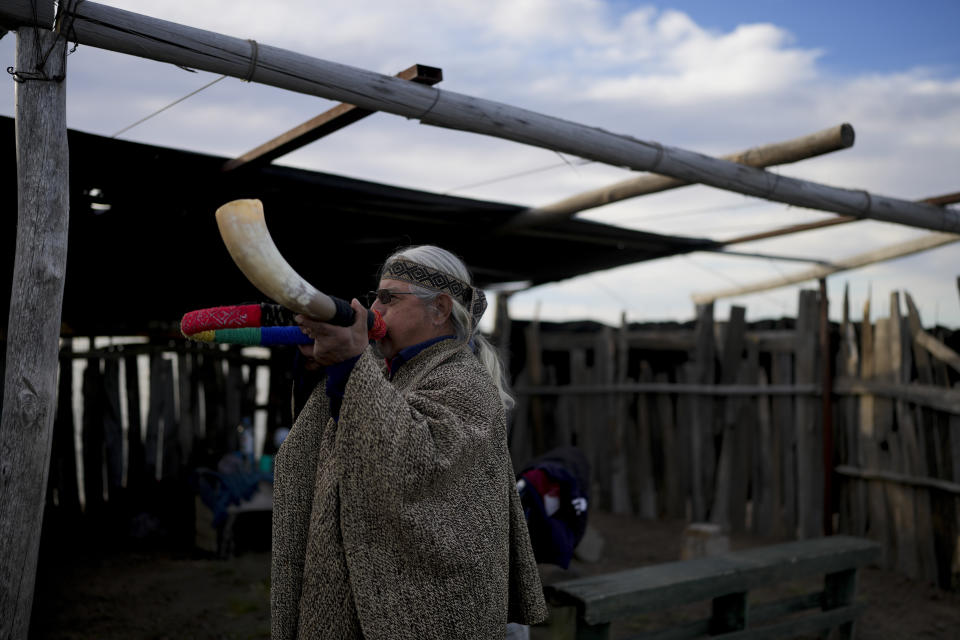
column 324, row 124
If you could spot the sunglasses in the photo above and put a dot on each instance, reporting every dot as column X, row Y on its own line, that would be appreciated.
column 385, row 296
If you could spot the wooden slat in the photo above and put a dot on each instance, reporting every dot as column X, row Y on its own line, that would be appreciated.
column 112, row 429
column 808, row 425
column 608, row 597
column 92, row 439
column 826, row 408
column 322, row 125
column 674, row 457
column 535, row 372
column 885, row 439
column 185, row 418
column 136, row 454
column 853, row 504
column 581, row 414
column 745, row 473
column 900, row 478
column 868, row 444
column 626, row 496
column 767, row 486
column 726, row 506
column 63, row 461
column 902, row 446
column 643, row 463
column 701, row 428
column 171, row 457
column 783, row 419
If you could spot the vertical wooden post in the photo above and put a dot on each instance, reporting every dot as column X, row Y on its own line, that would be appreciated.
column 643, row 453
column 674, row 456
column 784, row 415
column 826, row 386
column 535, row 373
column 728, row 505
column 809, row 471
column 624, row 435
column 853, row 512
column 501, row 329
column 33, row 328
column 702, row 451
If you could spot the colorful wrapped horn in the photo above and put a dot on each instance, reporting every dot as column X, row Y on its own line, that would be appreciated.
column 261, row 324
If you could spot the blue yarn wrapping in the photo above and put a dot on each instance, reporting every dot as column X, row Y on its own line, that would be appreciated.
column 283, row 335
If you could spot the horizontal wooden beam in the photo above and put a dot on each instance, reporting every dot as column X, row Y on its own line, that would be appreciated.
column 768, row 155
column 937, row 349
column 670, row 388
column 925, row 243
column 899, row 478
column 940, row 201
column 96, row 25
column 322, row 125
column 938, row 398
column 667, row 340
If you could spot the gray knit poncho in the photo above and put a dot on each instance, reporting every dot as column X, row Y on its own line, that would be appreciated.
column 403, row 519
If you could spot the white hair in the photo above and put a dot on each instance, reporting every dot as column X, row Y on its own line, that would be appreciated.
column 462, row 320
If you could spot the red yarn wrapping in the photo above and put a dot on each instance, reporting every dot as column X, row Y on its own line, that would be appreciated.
column 232, row 317
column 379, row 328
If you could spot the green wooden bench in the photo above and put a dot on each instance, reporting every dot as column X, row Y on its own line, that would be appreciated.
column 592, row 603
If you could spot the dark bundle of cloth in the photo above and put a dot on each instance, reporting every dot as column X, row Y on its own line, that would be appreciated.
column 554, row 491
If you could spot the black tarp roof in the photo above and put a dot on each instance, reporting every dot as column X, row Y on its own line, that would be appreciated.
column 156, row 253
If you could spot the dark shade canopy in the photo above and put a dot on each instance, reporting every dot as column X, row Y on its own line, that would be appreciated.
column 144, row 246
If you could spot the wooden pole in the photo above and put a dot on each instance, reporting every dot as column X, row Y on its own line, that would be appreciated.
column 940, row 201
column 117, row 30
column 924, row 243
column 826, row 404
column 937, row 349
column 322, row 125
column 33, row 327
column 814, row 144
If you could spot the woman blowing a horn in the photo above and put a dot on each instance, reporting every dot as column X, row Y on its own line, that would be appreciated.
column 396, row 513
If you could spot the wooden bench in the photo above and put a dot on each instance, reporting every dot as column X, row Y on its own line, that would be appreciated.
column 590, row 604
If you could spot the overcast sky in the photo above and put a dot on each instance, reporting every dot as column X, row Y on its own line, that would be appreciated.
column 714, row 77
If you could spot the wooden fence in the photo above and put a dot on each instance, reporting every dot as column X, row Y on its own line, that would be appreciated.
column 134, row 421
column 729, row 424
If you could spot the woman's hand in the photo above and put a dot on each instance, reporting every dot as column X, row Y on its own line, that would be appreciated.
column 331, row 343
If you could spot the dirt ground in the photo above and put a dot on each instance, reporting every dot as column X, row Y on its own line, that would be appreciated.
column 126, row 594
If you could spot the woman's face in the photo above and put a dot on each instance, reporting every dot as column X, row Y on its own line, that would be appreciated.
column 409, row 321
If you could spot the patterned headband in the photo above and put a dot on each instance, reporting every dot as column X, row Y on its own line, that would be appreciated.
column 436, row 280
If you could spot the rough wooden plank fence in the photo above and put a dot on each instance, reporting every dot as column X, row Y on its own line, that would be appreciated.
column 726, row 580
column 719, row 422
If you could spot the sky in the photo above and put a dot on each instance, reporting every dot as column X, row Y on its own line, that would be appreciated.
column 713, row 77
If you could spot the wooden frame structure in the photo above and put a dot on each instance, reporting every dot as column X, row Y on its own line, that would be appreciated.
column 33, row 330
